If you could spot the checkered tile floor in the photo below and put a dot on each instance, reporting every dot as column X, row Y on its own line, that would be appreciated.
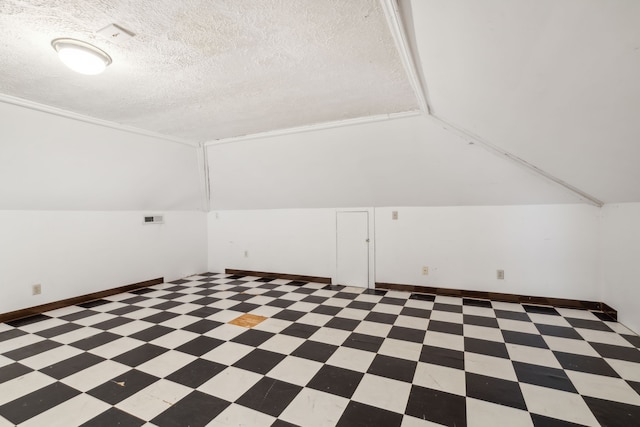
column 325, row 355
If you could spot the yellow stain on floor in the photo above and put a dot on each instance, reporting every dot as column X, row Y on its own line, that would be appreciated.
column 247, row 320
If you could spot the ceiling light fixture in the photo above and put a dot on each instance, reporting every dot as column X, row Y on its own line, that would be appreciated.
column 81, row 57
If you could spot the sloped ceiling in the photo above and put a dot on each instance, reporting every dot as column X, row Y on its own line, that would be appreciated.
column 202, row 70
column 552, row 82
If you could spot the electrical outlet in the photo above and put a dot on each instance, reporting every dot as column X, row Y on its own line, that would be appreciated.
column 394, row 215
column 36, row 289
column 425, row 270
column 500, row 274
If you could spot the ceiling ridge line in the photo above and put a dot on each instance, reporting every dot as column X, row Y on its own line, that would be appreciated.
column 316, row 127
column 394, row 21
column 470, row 137
column 36, row 106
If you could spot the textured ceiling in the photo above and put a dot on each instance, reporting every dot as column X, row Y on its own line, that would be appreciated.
column 205, row 70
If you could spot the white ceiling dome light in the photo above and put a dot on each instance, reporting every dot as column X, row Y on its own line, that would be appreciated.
column 80, row 56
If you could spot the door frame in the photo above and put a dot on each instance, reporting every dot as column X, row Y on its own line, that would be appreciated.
column 372, row 244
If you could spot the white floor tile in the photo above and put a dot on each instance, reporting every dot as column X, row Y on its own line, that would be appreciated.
column 240, row 416
column 486, row 414
column 154, row 399
column 383, row 393
column 95, row 375
column 75, row 411
column 230, row 384
column 615, row 389
column 558, row 404
column 295, row 370
column 351, row 358
column 313, row 408
column 441, row 378
column 489, row 366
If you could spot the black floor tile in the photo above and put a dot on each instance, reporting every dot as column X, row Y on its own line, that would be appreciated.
column 122, row 386
column 18, row 323
column 361, row 305
column 445, row 327
column 540, row 309
column 588, row 364
column 280, row 423
column 423, row 297
column 345, row 295
column 95, row 341
column 11, row 334
column 392, row 301
column 487, row 322
column 204, row 312
column 596, row 325
column 558, row 331
column 392, row 367
column 633, row 340
column 152, row 333
column 194, row 410
column 252, row 337
column 342, row 323
column 199, row 345
column 495, row 390
column 335, row 380
column 327, row 309
column 131, row 308
column 114, row 417
column 300, row 330
column 488, row 348
column 196, row 373
column 79, row 315
column 313, row 350
column 635, row 385
column 58, row 330
column 290, row 315
column 94, row 303
column 542, row 421
column 139, row 355
column 260, row 361
column 386, row 318
column 32, row 404
column 378, row 292
column 521, row 338
column 112, row 323
column 613, row 413
column 442, row 356
column 163, row 316
column 31, row 349
column 477, row 302
column 202, row 326
column 358, row 414
column 72, row 365
column 363, row 342
column 451, row 308
column 406, row 334
column 142, row 291
column 437, row 406
column 269, row 396
column 13, row 370
column 543, row 376
column 512, row 315
column 416, row 312
column 610, row 351
column 313, row 299
column 244, row 307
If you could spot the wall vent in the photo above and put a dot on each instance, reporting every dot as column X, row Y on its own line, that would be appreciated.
column 154, row 219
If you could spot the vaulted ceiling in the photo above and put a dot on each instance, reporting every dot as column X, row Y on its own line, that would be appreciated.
column 518, row 101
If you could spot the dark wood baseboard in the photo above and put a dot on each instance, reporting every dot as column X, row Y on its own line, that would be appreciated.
column 326, row 280
column 31, row 311
column 497, row 296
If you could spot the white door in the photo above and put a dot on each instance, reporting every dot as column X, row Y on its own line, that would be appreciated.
column 352, row 256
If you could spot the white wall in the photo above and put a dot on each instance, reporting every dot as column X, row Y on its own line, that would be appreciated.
column 48, row 162
column 545, row 250
column 402, row 162
column 292, row 241
column 621, row 261
column 72, row 253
